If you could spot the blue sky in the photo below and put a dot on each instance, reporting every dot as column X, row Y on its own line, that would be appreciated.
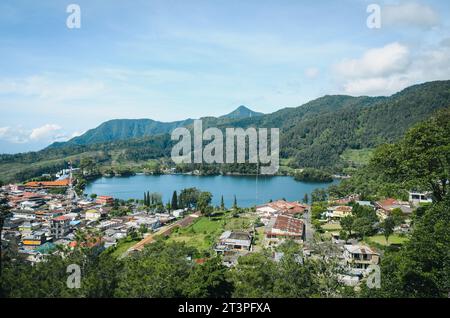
column 170, row 60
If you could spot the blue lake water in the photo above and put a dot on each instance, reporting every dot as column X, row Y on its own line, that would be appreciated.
column 249, row 191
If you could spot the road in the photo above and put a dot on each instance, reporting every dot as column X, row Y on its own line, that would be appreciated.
column 309, row 232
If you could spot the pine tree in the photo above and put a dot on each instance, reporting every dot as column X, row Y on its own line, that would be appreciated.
column 235, row 203
column 222, row 204
column 174, row 201
column 305, row 198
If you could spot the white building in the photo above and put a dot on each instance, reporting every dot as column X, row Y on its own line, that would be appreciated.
column 416, row 198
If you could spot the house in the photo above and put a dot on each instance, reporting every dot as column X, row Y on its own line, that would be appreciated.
column 416, row 198
column 48, row 184
column 60, row 226
column 278, row 256
column 272, row 209
column 346, row 200
column 104, row 200
column 365, row 203
column 178, row 213
column 284, row 227
column 27, row 227
column 283, row 207
column 385, row 207
column 35, row 239
column 149, row 222
column 360, row 257
column 234, row 241
column 94, row 214
column 338, row 212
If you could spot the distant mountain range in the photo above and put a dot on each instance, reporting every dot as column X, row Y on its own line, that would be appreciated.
column 315, row 134
column 122, row 129
column 241, row 112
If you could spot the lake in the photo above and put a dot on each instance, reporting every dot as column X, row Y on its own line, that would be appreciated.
column 249, row 191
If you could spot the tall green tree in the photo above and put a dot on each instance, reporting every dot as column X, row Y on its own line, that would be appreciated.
column 222, row 204
column 204, row 201
column 208, row 280
column 388, row 227
column 4, row 213
column 421, row 159
column 174, row 200
column 305, row 198
column 235, row 206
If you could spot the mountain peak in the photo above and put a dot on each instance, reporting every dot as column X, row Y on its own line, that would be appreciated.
column 242, row 112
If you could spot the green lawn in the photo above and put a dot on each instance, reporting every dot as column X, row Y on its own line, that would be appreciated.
column 204, row 232
column 393, row 239
column 357, row 157
column 331, row 227
column 123, row 246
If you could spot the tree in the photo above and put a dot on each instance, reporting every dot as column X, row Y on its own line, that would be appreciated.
column 174, row 201
column 420, row 269
column 188, row 198
column 4, row 213
column 363, row 226
column 235, row 206
column 388, row 227
column 397, row 216
column 254, row 276
column 222, row 204
column 319, row 195
column 146, row 199
column 421, row 159
column 160, row 270
column 93, row 196
column 204, row 200
column 305, row 198
column 208, row 280
column 347, row 224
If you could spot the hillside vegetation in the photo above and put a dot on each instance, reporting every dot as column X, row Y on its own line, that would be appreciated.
column 329, row 132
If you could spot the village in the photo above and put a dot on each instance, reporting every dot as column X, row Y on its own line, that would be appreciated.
column 47, row 214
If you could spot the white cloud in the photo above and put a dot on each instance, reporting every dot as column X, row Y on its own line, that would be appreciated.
column 386, row 70
column 3, row 131
column 49, row 88
column 45, row 132
column 410, row 14
column 14, row 135
column 312, row 72
column 383, row 61
column 77, row 133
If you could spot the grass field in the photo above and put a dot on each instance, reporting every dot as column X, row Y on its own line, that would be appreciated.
column 332, row 227
column 123, row 246
column 206, row 230
column 393, row 239
column 357, row 157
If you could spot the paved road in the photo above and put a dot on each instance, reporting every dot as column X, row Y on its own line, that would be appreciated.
column 161, row 231
column 309, row 232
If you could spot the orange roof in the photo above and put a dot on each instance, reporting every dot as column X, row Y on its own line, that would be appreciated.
column 57, row 183
column 200, row 260
column 287, row 207
column 387, row 203
column 287, row 224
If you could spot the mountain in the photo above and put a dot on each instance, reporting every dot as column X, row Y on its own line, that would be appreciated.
column 241, row 112
column 122, row 129
column 315, row 134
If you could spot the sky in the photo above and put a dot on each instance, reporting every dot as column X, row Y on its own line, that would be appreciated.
column 174, row 59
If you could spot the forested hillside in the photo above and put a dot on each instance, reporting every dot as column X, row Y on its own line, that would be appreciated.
column 313, row 135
